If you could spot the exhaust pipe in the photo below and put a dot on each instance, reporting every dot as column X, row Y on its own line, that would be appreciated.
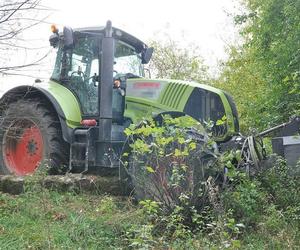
column 105, row 94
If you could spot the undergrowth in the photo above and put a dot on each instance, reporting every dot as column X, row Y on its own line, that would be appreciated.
column 261, row 212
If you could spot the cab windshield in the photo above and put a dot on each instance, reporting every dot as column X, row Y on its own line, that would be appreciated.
column 127, row 60
column 78, row 68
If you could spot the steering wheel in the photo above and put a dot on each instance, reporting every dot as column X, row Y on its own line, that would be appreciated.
column 79, row 73
column 86, row 78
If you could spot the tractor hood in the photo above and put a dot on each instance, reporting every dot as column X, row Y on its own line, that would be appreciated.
column 164, row 92
column 203, row 102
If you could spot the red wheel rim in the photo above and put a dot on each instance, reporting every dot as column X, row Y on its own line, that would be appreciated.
column 23, row 147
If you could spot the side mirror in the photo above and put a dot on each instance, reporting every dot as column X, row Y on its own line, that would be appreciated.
column 68, row 38
column 54, row 40
column 146, row 55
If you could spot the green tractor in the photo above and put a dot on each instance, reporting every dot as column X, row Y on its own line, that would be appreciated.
column 97, row 89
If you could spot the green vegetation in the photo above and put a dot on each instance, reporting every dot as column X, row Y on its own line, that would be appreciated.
column 195, row 211
column 51, row 220
column 188, row 205
column 170, row 61
column 263, row 74
column 169, row 159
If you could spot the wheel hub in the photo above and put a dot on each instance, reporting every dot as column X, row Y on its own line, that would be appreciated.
column 32, row 147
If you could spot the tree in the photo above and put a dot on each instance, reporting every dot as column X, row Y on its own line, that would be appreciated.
column 241, row 79
column 174, row 62
column 265, row 71
column 15, row 18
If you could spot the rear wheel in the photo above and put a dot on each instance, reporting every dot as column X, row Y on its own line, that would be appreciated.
column 30, row 136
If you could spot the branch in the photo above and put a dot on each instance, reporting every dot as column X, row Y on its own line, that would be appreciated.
column 35, row 63
column 10, row 4
column 11, row 14
column 19, row 46
column 12, row 34
column 19, row 74
column 30, row 19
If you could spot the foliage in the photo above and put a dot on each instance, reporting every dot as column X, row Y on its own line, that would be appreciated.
column 233, row 218
column 242, row 80
column 171, row 162
column 171, row 61
column 174, row 168
column 260, row 213
column 282, row 185
column 247, row 200
column 263, row 74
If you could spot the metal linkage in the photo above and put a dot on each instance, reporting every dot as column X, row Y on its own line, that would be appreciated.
column 250, row 158
column 253, row 150
column 285, row 129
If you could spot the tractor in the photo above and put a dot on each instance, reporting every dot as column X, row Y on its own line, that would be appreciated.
column 76, row 121
column 96, row 90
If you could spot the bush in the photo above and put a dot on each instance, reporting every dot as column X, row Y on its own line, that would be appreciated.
column 177, row 174
column 171, row 163
column 247, row 201
column 283, row 189
column 186, row 207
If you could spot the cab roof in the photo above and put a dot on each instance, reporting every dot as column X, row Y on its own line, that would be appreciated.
column 117, row 33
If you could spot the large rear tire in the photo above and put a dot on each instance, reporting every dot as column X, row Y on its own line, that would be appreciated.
column 30, row 136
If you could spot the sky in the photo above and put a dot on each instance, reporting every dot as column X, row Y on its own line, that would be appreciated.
column 205, row 23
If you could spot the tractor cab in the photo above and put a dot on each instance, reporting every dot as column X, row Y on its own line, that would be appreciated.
column 78, row 65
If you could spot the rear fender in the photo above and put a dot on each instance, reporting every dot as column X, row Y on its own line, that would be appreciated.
column 59, row 99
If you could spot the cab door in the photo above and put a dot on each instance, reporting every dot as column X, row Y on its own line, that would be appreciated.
column 77, row 69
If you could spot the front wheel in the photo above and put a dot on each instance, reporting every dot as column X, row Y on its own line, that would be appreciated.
column 30, row 136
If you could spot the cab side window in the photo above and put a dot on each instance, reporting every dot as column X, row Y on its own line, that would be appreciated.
column 196, row 105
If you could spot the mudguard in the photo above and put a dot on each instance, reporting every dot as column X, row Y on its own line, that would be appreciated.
column 60, row 98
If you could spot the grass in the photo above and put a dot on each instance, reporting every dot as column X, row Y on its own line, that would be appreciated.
column 45, row 219
column 51, row 220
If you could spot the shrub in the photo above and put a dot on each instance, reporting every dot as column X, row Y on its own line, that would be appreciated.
column 171, row 163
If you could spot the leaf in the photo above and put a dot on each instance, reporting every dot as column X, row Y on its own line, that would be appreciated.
column 236, row 244
column 181, row 140
column 150, row 169
column 177, row 152
column 192, row 145
column 219, row 122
